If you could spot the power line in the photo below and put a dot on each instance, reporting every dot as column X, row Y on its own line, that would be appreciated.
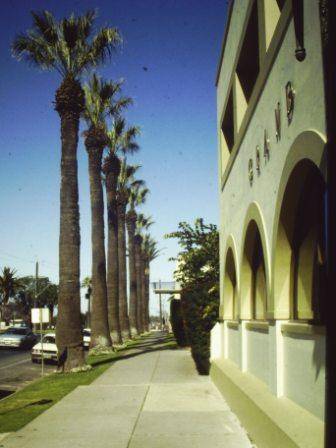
column 43, row 262
column 17, row 258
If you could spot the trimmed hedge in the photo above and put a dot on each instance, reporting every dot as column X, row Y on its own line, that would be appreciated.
column 177, row 323
column 198, row 324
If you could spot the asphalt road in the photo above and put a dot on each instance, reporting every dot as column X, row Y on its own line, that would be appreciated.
column 17, row 370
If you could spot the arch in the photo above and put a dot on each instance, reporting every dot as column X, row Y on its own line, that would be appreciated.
column 254, row 272
column 230, row 282
column 299, row 233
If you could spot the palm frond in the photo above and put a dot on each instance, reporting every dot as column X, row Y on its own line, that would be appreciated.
column 121, row 139
column 100, row 98
column 143, row 222
column 149, row 247
column 45, row 24
column 102, row 47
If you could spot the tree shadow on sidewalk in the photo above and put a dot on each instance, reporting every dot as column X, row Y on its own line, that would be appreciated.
column 134, row 354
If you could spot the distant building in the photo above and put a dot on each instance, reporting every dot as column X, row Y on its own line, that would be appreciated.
column 268, row 350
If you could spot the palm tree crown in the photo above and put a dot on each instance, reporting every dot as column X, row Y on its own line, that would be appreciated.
column 9, row 283
column 127, row 181
column 137, row 196
column 101, row 101
column 143, row 223
column 149, row 247
column 121, row 139
column 66, row 45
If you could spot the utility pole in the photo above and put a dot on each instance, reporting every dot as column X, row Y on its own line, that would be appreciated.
column 160, row 302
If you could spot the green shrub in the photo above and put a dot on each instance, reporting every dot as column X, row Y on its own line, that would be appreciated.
column 177, row 323
column 198, row 276
column 199, row 322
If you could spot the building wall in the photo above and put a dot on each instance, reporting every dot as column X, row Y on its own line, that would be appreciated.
column 258, row 354
column 284, row 354
column 304, row 371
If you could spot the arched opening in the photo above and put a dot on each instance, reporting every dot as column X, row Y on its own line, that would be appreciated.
column 299, row 270
column 230, row 287
column 253, row 277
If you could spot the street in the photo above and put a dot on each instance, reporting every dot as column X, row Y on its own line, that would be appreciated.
column 17, row 370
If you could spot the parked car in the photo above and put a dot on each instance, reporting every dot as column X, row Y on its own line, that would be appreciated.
column 17, row 337
column 86, row 337
column 49, row 349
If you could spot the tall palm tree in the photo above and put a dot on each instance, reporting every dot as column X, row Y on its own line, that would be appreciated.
column 126, row 182
column 9, row 285
column 137, row 196
column 150, row 252
column 143, row 223
column 121, row 140
column 68, row 47
column 100, row 102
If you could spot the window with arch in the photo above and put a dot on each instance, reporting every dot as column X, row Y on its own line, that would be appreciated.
column 230, row 287
column 253, row 276
column 300, row 263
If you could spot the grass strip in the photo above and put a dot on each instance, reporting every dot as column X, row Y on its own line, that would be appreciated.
column 22, row 407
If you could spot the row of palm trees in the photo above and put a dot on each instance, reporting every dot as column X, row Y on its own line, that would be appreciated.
column 69, row 47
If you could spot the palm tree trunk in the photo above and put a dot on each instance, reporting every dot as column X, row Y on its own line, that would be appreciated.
column 69, row 105
column 123, row 308
column 100, row 334
column 147, row 290
column 143, row 292
column 130, row 222
column 112, row 256
column 138, row 266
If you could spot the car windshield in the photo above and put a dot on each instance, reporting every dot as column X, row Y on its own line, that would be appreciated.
column 49, row 340
column 86, row 333
column 20, row 331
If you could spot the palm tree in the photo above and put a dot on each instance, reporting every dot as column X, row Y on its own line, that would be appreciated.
column 121, row 140
column 126, row 182
column 137, row 196
column 100, row 102
column 68, row 47
column 150, row 252
column 143, row 223
column 9, row 285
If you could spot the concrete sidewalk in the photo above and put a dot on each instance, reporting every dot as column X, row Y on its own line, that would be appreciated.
column 152, row 398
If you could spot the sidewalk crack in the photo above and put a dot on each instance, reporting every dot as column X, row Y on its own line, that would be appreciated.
column 143, row 401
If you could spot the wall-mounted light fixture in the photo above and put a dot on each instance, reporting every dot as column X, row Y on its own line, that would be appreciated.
column 278, row 122
column 290, row 95
column 250, row 171
column 266, row 146
column 258, row 160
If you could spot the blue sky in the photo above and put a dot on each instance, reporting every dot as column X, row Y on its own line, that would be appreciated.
column 169, row 60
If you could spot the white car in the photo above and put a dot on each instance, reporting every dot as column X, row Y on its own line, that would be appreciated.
column 86, row 337
column 49, row 349
column 15, row 337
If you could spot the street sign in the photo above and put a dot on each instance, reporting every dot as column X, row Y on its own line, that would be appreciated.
column 40, row 316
